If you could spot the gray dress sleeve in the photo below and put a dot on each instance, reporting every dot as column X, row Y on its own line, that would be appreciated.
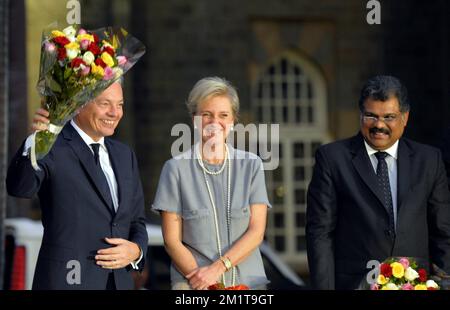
column 168, row 192
column 258, row 191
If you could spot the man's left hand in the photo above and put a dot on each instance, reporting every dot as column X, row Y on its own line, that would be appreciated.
column 120, row 255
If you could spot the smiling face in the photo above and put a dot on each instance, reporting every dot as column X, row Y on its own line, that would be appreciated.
column 100, row 117
column 382, row 123
column 216, row 117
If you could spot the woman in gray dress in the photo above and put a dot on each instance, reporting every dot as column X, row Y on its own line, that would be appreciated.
column 213, row 199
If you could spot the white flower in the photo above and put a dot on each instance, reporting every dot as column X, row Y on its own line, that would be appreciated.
column 88, row 58
column 117, row 72
column 411, row 274
column 391, row 286
column 71, row 53
column 431, row 283
column 69, row 32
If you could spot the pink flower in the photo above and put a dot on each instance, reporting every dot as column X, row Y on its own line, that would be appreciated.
column 50, row 47
column 85, row 70
column 84, row 44
column 82, row 31
column 374, row 287
column 121, row 60
column 404, row 261
column 407, row 287
column 109, row 74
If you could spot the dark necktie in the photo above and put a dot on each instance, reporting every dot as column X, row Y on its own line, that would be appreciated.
column 385, row 187
column 103, row 182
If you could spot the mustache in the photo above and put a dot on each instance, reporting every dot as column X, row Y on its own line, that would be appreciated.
column 375, row 130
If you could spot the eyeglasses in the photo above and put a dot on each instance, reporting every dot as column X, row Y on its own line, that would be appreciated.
column 386, row 119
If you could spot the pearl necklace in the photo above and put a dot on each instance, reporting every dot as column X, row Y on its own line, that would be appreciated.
column 228, row 206
column 200, row 162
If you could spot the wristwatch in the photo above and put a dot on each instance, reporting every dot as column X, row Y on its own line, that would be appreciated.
column 227, row 262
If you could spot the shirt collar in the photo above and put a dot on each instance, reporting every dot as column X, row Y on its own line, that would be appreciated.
column 88, row 140
column 393, row 150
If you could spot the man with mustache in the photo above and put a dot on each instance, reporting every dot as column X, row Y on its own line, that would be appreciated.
column 376, row 195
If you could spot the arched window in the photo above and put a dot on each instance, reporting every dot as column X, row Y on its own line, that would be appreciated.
column 291, row 91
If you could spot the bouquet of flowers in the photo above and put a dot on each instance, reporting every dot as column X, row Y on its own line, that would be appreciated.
column 221, row 286
column 76, row 66
column 403, row 274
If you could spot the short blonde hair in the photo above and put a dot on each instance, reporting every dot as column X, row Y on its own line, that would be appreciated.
column 211, row 87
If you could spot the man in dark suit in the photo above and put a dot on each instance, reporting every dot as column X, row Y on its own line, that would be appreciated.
column 376, row 195
column 91, row 199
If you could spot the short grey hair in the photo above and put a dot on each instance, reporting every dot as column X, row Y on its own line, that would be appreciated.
column 211, row 87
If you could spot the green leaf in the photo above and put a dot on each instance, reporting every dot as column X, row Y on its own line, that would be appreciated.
column 54, row 86
column 67, row 73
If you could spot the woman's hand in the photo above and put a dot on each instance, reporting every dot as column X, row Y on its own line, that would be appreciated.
column 203, row 277
column 40, row 120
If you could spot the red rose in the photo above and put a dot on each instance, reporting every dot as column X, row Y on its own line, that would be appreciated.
column 386, row 270
column 96, row 39
column 100, row 62
column 422, row 275
column 94, row 49
column 62, row 53
column 76, row 62
column 109, row 50
column 61, row 41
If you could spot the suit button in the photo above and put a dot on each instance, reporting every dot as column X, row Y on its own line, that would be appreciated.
column 114, row 224
column 388, row 232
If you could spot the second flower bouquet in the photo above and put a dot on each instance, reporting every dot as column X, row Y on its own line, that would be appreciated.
column 403, row 273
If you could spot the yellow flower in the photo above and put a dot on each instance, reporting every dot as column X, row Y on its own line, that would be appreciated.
column 398, row 270
column 57, row 33
column 420, row 287
column 381, row 279
column 73, row 46
column 97, row 70
column 107, row 59
column 106, row 43
column 85, row 36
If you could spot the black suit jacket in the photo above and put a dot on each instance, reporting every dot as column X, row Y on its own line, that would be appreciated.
column 348, row 225
column 75, row 213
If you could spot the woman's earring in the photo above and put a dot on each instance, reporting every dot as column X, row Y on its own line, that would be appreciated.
column 232, row 128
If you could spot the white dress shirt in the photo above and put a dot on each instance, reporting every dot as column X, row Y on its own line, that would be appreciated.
column 105, row 163
column 391, row 161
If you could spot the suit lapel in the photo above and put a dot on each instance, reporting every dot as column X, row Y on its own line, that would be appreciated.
column 363, row 166
column 87, row 161
column 404, row 171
